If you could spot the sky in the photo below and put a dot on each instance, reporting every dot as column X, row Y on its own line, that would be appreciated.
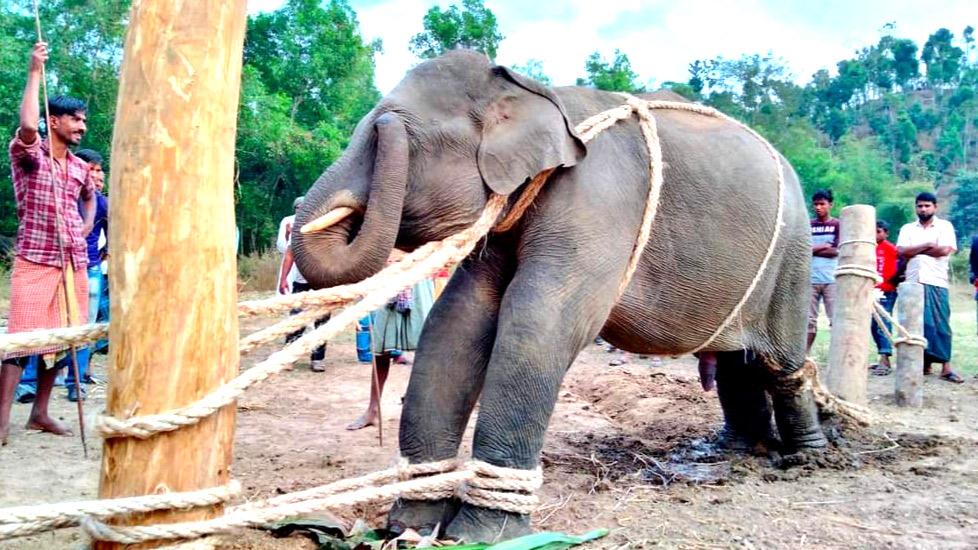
column 662, row 37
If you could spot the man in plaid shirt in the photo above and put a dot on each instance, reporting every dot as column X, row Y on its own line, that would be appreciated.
column 47, row 197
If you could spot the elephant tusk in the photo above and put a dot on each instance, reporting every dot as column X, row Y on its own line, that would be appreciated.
column 328, row 219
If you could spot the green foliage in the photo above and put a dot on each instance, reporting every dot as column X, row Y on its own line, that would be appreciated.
column 306, row 82
column 943, row 59
column 85, row 43
column 964, row 215
column 473, row 26
column 533, row 69
column 614, row 76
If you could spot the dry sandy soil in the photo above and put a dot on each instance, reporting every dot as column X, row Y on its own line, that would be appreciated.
column 628, row 449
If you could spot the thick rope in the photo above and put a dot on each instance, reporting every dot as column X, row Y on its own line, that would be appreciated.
column 498, row 488
column 441, row 484
column 456, row 249
column 879, row 312
column 27, row 520
column 806, row 378
column 68, row 337
column 859, row 271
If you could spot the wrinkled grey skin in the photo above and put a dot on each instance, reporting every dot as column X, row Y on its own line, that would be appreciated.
column 517, row 312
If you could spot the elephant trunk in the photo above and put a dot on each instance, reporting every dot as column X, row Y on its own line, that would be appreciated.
column 358, row 240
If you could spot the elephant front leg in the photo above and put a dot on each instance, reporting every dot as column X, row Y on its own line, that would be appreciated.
column 544, row 322
column 447, row 376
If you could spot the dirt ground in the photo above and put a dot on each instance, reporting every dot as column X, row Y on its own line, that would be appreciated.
column 629, row 449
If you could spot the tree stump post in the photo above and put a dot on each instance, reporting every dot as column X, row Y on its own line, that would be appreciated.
column 908, row 377
column 851, row 320
column 174, row 322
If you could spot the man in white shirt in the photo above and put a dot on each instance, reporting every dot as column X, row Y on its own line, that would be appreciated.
column 282, row 244
column 926, row 245
column 291, row 281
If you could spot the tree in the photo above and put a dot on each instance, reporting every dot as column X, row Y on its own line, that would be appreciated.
column 964, row 215
column 943, row 59
column 307, row 80
column 473, row 26
column 906, row 68
column 533, row 69
column 616, row 76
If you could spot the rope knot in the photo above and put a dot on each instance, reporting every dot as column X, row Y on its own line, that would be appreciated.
column 500, row 488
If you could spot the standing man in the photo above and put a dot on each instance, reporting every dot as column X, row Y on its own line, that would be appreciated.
column 96, row 253
column 973, row 265
column 282, row 244
column 926, row 245
column 825, row 258
column 886, row 268
column 290, row 281
column 43, row 193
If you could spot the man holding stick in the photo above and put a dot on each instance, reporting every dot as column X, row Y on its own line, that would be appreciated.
column 51, row 247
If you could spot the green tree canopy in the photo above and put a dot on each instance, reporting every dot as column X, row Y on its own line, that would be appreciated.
column 307, row 80
column 473, row 27
column 614, row 76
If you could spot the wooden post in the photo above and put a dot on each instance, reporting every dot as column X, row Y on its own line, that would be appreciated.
column 908, row 376
column 849, row 349
column 174, row 324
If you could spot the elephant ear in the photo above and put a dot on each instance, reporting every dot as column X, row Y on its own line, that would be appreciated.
column 525, row 131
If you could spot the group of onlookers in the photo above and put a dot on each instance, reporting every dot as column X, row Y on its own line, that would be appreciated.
column 921, row 255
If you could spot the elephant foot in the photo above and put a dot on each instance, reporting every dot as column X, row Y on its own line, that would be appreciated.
column 746, row 411
column 731, row 439
column 797, row 419
column 475, row 524
column 424, row 516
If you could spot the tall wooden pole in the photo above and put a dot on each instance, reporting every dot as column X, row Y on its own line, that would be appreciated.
column 174, row 325
column 849, row 348
column 908, row 378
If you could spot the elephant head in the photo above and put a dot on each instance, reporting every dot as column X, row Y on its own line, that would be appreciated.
column 420, row 166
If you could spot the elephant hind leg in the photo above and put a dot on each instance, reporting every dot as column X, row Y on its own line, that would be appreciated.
column 796, row 412
column 741, row 384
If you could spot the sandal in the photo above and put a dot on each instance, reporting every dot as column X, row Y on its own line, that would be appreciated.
column 880, row 370
column 952, row 377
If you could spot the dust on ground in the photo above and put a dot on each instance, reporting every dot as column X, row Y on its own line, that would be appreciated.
column 629, row 448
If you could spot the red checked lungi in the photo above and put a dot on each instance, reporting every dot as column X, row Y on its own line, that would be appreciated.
column 37, row 301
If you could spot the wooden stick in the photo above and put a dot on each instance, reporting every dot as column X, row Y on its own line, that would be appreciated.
column 849, row 350
column 908, row 376
column 174, row 323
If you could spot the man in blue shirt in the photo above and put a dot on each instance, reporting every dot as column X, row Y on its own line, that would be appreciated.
column 96, row 253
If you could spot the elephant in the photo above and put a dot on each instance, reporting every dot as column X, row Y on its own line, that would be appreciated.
column 421, row 166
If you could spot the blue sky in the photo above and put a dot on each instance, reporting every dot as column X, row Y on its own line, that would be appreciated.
column 661, row 38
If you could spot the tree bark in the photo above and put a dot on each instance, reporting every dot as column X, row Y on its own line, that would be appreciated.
column 174, row 325
column 908, row 378
column 849, row 349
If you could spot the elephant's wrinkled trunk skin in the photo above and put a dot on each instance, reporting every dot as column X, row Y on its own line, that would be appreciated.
column 340, row 254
